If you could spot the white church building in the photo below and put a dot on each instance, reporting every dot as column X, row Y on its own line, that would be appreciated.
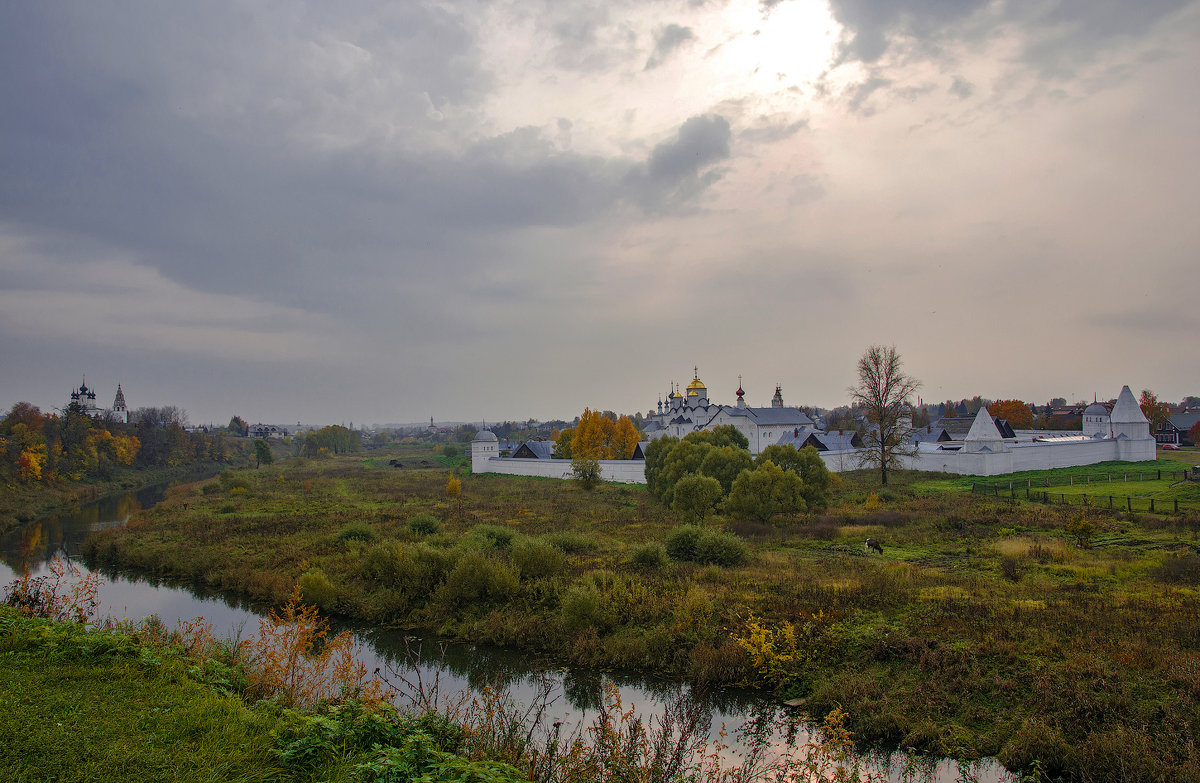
column 691, row 411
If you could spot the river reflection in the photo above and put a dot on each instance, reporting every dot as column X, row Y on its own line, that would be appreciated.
column 572, row 695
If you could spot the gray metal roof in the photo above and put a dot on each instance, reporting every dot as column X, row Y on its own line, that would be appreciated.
column 535, row 449
column 1184, row 421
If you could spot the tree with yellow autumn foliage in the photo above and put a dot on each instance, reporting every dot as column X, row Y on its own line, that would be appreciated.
column 597, row 436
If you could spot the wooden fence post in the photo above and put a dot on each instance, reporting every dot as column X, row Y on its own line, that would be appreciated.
column 1128, row 503
column 1110, row 501
column 1176, row 505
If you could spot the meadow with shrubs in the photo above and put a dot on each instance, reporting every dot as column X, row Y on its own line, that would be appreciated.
column 1063, row 639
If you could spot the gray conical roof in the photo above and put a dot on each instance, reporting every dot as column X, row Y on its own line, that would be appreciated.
column 983, row 428
column 1127, row 410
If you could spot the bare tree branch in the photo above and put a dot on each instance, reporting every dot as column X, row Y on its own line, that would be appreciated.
column 884, row 393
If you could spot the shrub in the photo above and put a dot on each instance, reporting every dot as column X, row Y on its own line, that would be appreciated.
column 1036, row 746
column 583, row 608
column 536, row 559
column 211, row 488
column 586, row 472
column 316, row 589
column 423, row 569
column 715, row 547
column 424, row 524
column 494, row 536
column 476, row 579
column 648, row 555
column 1081, row 529
column 453, row 487
column 357, row 531
column 708, row 547
column 681, row 542
column 766, row 491
column 450, row 450
column 383, row 563
column 1011, row 567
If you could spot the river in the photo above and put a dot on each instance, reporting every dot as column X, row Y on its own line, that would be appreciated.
column 573, row 693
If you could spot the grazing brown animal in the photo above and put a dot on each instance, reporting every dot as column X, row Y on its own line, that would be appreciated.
column 185, row 505
column 872, row 544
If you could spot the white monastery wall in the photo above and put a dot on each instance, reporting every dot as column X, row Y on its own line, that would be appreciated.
column 983, row 453
column 625, row 471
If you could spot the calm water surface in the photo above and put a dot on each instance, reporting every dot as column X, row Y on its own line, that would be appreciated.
column 574, row 693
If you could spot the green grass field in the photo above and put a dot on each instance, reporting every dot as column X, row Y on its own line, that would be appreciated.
column 1060, row 633
column 1162, row 480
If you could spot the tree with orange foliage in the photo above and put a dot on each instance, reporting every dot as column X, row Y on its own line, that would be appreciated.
column 597, row 436
column 1018, row 414
column 1155, row 411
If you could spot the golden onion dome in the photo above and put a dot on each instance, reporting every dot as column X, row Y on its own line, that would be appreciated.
column 696, row 384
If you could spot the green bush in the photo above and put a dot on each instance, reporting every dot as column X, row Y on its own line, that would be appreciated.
column 681, row 542
column 648, row 555
column 535, row 559
column 587, row 472
column 708, row 547
column 316, row 589
column 583, row 608
column 383, row 563
column 715, row 547
column 764, row 492
column 424, row 524
column 423, row 569
column 494, row 536
column 476, row 579
column 357, row 531
column 211, row 488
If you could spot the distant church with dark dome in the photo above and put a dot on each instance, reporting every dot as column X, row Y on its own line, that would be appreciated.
column 84, row 399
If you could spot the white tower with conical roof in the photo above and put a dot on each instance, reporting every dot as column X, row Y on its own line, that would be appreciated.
column 983, row 435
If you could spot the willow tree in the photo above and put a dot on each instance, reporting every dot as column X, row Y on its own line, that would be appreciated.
column 884, row 393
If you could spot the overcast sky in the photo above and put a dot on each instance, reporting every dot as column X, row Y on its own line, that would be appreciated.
column 385, row 211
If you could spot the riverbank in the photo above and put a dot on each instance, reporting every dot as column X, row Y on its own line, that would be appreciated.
column 23, row 504
column 139, row 702
column 1062, row 635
